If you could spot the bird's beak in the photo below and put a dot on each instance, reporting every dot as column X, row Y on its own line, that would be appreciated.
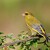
column 23, row 14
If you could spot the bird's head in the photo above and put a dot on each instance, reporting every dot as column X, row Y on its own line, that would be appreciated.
column 27, row 15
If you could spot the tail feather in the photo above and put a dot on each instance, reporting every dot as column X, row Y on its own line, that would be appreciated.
column 47, row 38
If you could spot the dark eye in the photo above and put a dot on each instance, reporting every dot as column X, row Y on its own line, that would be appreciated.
column 26, row 13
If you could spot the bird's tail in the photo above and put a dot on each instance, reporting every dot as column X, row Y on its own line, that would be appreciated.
column 47, row 38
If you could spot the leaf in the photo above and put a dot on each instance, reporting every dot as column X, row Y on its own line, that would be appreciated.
column 1, row 41
column 10, row 35
column 0, row 44
column 48, row 43
column 31, row 42
column 23, row 36
column 22, row 46
column 1, row 33
column 47, row 49
column 35, row 45
column 39, row 49
column 2, row 37
column 11, row 46
column 29, row 48
column 19, row 43
column 28, row 42
column 34, row 40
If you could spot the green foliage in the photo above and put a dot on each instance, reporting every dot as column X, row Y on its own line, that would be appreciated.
column 11, row 46
column 18, row 43
column 10, row 36
column 24, row 43
column 2, row 39
column 47, row 49
column 0, row 44
column 27, row 44
column 1, row 33
column 35, row 45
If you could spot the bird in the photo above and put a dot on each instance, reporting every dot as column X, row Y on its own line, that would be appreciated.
column 34, row 25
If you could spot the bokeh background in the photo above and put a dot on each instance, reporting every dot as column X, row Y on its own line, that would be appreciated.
column 11, row 19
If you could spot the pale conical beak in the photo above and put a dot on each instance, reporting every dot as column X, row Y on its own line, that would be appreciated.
column 23, row 14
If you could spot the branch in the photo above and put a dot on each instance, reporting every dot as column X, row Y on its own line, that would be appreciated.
column 18, row 41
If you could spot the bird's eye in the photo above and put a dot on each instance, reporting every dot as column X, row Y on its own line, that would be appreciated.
column 26, row 13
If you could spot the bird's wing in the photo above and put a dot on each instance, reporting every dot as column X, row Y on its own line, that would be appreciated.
column 38, row 28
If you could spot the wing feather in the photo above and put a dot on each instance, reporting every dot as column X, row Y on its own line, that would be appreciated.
column 38, row 28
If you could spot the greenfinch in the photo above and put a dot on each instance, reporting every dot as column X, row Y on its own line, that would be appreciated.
column 34, row 25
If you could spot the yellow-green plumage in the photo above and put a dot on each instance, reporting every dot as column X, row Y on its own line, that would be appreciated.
column 34, row 25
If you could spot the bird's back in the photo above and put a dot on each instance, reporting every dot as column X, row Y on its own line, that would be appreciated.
column 31, row 20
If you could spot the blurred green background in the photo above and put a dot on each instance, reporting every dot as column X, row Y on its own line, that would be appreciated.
column 11, row 20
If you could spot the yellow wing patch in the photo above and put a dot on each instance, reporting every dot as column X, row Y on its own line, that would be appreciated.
column 42, row 28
